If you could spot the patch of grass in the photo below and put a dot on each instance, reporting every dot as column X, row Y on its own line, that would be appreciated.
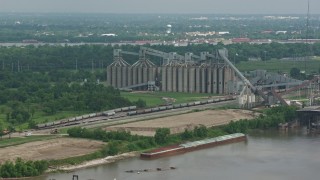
column 155, row 98
column 63, row 130
column 6, row 142
column 226, row 107
column 41, row 117
column 279, row 66
column 151, row 98
column 185, row 97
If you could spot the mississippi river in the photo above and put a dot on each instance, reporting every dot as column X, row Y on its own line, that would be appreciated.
column 265, row 156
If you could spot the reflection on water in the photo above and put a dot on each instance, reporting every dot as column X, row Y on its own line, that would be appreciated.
column 265, row 156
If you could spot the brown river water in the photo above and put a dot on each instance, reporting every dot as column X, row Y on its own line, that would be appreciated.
column 267, row 155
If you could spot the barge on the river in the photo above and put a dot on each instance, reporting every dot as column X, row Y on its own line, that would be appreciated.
column 191, row 146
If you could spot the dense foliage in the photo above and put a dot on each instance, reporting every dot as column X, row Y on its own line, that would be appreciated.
column 270, row 119
column 22, row 168
column 134, row 142
column 25, row 95
column 161, row 136
column 122, row 141
column 54, row 59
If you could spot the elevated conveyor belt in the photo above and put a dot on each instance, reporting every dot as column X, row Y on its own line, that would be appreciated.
column 222, row 54
column 275, row 94
column 135, row 86
column 304, row 84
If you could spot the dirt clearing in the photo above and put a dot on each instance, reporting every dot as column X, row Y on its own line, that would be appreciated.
column 179, row 123
column 59, row 148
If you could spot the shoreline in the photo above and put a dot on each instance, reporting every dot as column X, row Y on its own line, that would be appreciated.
column 95, row 162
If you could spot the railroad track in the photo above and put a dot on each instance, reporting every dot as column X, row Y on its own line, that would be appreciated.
column 122, row 118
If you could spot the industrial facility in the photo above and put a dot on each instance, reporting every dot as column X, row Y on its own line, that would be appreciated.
column 211, row 73
column 206, row 73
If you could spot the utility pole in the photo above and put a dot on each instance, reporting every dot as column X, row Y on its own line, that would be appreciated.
column 234, row 58
column 91, row 65
column 76, row 64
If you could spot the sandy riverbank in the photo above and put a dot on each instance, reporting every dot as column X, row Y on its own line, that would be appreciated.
column 178, row 123
column 106, row 160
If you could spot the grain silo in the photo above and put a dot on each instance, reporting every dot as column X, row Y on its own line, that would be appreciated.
column 115, row 71
column 204, row 75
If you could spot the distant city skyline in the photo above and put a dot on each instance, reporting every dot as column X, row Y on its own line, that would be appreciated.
column 163, row 6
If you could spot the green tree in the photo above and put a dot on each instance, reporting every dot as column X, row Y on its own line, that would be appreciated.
column 161, row 136
column 295, row 73
column 1, row 129
column 111, row 149
column 187, row 134
column 19, row 115
column 32, row 124
column 140, row 103
column 11, row 130
column 8, row 170
column 200, row 131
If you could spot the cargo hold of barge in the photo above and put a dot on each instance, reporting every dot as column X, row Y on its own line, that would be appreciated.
column 191, row 146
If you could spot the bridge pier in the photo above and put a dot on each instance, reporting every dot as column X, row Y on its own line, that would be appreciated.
column 310, row 117
column 75, row 177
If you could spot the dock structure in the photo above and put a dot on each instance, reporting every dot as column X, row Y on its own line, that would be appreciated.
column 310, row 116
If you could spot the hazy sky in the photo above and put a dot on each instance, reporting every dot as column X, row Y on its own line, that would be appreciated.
column 163, row 6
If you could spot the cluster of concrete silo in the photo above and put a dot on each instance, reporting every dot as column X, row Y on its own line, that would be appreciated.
column 115, row 72
column 215, row 79
column 123, row 75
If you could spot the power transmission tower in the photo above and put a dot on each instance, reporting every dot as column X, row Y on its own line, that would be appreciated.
column 307, row 41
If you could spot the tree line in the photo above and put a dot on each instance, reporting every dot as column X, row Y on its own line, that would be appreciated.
column 21, row 168
column 270, row 119
column 96, row 57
